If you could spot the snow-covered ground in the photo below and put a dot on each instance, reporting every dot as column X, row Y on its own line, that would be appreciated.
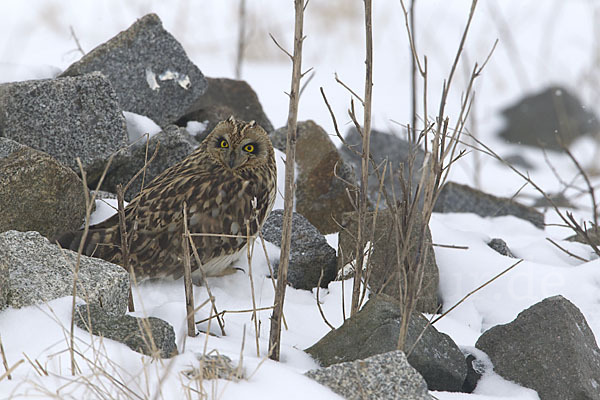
column 553, row 43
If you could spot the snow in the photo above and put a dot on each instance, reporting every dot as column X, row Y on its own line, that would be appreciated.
column 538, row 46
column 139, row 125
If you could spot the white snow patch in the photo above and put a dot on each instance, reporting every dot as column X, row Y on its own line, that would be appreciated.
column 195, row 128
column 139, row 125
column 182, row 79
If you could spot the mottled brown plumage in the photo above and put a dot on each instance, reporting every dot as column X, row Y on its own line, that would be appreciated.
column 228, row 183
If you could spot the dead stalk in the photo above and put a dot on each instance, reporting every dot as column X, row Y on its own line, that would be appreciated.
column 366, row 142
column 249, row 252
column 275, row 334
column 123, row 234
column 89, row 205
column 241, row 40
column 187, row 277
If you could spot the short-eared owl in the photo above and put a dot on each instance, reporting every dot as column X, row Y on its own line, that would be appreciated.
column 228, row 185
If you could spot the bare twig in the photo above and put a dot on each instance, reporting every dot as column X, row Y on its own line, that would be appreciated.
column 352, row 92
column 287, row 53
column 76, row 39
column 319, row 302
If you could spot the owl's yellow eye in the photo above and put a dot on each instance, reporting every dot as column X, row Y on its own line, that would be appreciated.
column 249, row 148
column 224, row 143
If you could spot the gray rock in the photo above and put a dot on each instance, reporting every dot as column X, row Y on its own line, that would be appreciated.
column 384, row 260
column 40, row 271
column 151, row 336
column 320, row 195
column 456, row 198
column 553, row 199
column 386, row 376
column 375, row 330
column 66, row 118
column 224, row 98
column 538, row 118
column 518, row 160
column 149, row 70
column 8, row 146
column 174, row 145
column 501, row 247
column 549, row 348
column 385, row 146
column 37, row 193
column 309, row 253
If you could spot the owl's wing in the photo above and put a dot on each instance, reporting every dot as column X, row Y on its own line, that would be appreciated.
column 222, row 209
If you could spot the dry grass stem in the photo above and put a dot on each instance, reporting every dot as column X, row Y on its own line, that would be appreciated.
column 567, row 251
column 472, row 292
column 272, row 275
column 249, row 252
column 241, row 39
column 11, row 369
column 4, row 360
column 319, row 303
column 205, row 283
column 89, row 205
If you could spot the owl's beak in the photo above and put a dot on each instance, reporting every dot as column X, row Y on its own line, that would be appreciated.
column 233, row 161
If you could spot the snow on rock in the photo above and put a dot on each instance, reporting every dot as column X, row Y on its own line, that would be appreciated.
column 139, row 125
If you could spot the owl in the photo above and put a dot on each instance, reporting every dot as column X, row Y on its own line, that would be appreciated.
column 228, row 185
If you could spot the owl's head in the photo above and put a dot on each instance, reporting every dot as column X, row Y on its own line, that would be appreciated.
column 239, row 145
